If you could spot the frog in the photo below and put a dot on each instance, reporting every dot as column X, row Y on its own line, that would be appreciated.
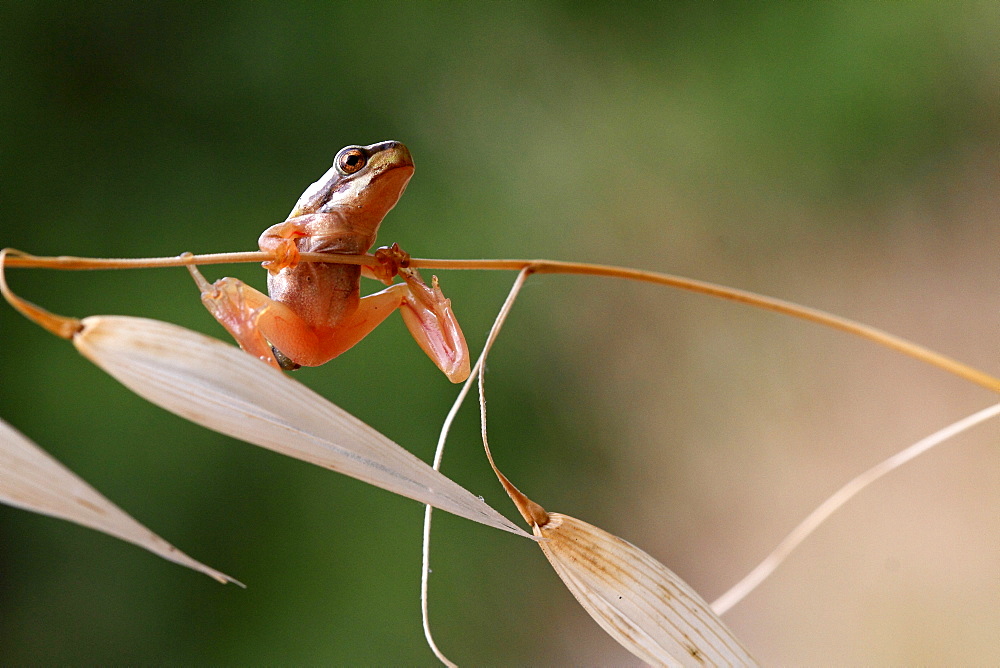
column 314, row 311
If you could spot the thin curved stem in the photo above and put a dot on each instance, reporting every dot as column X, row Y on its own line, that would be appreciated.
column 19, row 259
column 439, row 455
column 760, row 573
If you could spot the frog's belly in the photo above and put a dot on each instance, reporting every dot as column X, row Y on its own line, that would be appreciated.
column 322, row 294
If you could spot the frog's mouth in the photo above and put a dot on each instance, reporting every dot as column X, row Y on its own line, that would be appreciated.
column 380, row 185
column 390, row 161
column 391, row 152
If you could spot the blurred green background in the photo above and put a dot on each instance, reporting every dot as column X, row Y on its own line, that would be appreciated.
column 845, row 155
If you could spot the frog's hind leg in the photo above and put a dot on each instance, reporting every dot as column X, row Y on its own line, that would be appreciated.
column 427, row 314
column 249, row 315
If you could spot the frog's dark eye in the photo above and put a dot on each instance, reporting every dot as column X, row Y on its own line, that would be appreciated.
column 350, row 160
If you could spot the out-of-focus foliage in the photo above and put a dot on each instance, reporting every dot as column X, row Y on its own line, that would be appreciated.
column 843, row 155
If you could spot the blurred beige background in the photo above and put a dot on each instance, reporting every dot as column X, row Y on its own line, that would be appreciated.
column 842, row 156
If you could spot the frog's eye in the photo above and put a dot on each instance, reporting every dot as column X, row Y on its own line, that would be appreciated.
column 350, row 160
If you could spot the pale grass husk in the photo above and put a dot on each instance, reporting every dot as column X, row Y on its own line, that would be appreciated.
column 642, row 604
column 636, row 599
column 31, row 479
column 220, row 387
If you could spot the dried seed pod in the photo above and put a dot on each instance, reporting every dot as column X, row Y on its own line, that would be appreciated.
column 639, row 601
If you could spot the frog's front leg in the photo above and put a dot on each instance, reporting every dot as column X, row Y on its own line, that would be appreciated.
column 280, row 241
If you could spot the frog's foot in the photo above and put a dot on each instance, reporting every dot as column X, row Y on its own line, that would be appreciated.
column 428, row 315
column 238, row 308
column 285, row 362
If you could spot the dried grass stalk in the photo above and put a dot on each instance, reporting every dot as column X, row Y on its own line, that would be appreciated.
column 33, row 480
column 222, row 388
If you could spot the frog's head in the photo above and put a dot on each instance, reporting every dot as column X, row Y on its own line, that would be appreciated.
column 365, row 182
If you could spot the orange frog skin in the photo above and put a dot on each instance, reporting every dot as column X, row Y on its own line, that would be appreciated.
column 314, row 310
